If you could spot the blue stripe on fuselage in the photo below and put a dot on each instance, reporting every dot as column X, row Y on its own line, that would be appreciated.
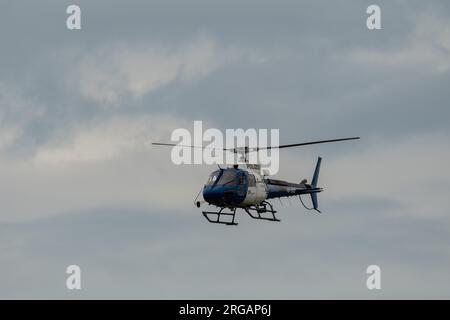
column 277, row 191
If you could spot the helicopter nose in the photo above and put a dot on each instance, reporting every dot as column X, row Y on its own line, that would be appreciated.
column 212, row 195
column 218, row 195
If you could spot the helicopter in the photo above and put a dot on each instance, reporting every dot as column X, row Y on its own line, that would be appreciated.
column 246, row 187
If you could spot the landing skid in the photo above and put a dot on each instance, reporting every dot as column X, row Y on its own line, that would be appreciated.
column 217, row 217
column 262, row 208
column 254, row 212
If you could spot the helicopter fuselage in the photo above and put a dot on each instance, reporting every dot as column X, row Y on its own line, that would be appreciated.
column 240, row 188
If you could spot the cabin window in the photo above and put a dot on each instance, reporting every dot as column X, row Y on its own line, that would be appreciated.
column 242, row 180
column 251, row 180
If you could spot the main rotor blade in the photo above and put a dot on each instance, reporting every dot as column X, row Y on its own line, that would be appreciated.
column 258, row 148
column 181, row 145
column 305, row 143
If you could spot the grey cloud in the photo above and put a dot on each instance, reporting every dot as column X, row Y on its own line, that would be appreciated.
column 147, row 254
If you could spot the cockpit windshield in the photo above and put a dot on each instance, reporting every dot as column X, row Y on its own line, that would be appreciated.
column 213, row 178
column 228, row 178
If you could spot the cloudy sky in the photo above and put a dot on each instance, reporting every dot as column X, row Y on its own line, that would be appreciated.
column 81, row 184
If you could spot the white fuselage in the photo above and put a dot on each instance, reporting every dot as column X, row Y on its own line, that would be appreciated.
column 257, row 191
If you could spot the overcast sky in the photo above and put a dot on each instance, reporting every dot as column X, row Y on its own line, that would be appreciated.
column 80, row 183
